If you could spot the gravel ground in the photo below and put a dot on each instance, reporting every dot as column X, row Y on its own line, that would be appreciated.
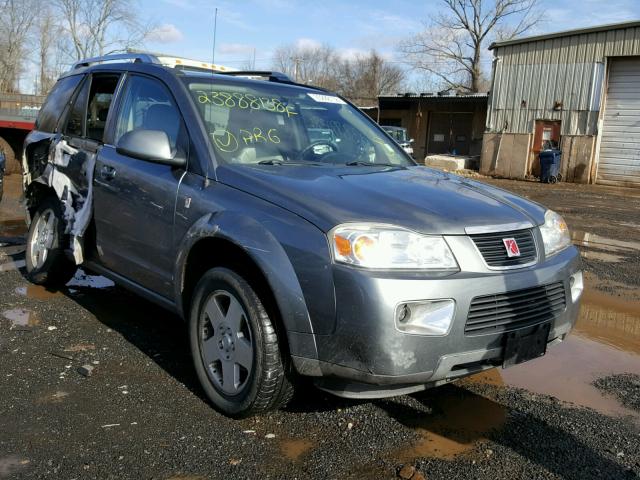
column 141, row 413
column 626, row 387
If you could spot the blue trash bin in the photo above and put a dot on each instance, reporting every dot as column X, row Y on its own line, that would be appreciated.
column 549, row 166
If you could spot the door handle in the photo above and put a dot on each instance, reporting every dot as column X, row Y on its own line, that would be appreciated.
column 107, row 172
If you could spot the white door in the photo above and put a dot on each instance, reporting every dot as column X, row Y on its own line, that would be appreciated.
column 619, row 162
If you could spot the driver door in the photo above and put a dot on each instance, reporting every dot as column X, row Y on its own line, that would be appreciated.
column 134, row 199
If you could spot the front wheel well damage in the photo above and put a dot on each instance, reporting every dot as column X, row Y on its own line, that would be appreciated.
column 210, row 253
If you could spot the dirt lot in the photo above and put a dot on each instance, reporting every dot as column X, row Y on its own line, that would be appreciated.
column 141, row 413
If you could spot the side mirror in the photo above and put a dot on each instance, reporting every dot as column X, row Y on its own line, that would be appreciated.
column 411, row 141
column 150, row 145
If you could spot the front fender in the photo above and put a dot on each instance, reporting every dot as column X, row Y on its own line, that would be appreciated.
column 269, row 255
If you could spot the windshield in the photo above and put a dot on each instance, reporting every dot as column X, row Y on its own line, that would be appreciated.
column 259, row 122
column 398, row 134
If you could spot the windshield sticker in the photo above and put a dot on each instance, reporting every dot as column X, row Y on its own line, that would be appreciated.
column 244, row 101
column 326, row 98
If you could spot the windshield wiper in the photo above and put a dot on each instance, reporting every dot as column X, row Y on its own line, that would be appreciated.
column 280, row 162
column 360, row 163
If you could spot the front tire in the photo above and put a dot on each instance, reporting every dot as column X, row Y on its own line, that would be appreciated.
column 46, row 261
column 235, row 349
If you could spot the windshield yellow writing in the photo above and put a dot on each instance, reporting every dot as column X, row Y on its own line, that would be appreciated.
column 228, row 142
column 244, row 101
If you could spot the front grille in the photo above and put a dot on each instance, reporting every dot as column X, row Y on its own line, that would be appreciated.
column 494, row 252
column 519, row 308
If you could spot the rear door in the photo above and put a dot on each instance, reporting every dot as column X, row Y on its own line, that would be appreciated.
column 134, row 200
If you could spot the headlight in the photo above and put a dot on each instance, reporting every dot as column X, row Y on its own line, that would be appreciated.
column 555, row 233
column 389, row 247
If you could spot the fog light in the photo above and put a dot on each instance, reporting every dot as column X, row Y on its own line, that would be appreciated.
column 426, row 317
column 577, row 286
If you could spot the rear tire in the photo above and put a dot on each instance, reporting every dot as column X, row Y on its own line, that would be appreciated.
column 46, row 261
column 234, row 346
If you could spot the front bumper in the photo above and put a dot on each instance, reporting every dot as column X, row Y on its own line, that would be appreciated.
column 371, row 357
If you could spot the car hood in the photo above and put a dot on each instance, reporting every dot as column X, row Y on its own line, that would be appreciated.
column 418, row 198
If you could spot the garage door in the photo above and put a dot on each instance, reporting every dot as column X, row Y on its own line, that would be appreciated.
column 619, row 162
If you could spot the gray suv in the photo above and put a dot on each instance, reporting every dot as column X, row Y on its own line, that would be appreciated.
column 288, row 254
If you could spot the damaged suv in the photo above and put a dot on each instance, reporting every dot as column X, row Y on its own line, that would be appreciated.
column 288, row 253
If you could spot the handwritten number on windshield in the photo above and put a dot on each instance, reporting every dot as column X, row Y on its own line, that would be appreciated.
column 244, row 101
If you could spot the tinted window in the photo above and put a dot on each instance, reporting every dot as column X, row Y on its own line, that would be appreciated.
column 148, row 105
column 55, row 103
column 75, row 123
column 101, row 94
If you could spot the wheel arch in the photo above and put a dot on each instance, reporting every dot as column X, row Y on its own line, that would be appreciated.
column 242, row 244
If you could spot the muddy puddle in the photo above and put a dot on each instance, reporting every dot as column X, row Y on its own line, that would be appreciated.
column 460, row 420
column 605, row 341
column 21, row 319
column 598, row 242
column 294, row 449
column 15, row 227
column 37, row 292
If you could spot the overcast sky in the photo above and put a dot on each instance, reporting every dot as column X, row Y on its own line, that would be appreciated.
column 185, row 27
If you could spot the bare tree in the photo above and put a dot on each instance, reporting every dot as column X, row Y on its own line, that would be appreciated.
column 16, row 20
column 308, row 64
column 100, row 27
column 366, row 77
column 361, row 79
column 48, row 39
column 451, row 46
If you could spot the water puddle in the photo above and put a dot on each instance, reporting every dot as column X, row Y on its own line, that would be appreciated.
column 21, row 319
column 592, row 240
column 462, row 420
column 600, row 256
column 605, row 341
column 12, row 265
column 56, row 397
column 11, row 249
column 14, row 227
column 12, row 464
column 610, row 320
column 295, row 448
column 37, row 292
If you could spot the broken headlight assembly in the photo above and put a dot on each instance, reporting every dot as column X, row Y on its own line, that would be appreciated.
column 389, row 247
column 555, row 233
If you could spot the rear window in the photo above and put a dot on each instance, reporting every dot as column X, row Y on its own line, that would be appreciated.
column 55, row 103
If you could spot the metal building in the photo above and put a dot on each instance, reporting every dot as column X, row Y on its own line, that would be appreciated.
column 579, row 88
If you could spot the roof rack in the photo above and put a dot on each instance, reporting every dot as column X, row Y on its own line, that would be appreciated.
column 271, row 76
column 135, row 56
column 155, row 58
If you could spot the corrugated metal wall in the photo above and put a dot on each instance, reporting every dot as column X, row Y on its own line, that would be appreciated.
column 531, row 78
